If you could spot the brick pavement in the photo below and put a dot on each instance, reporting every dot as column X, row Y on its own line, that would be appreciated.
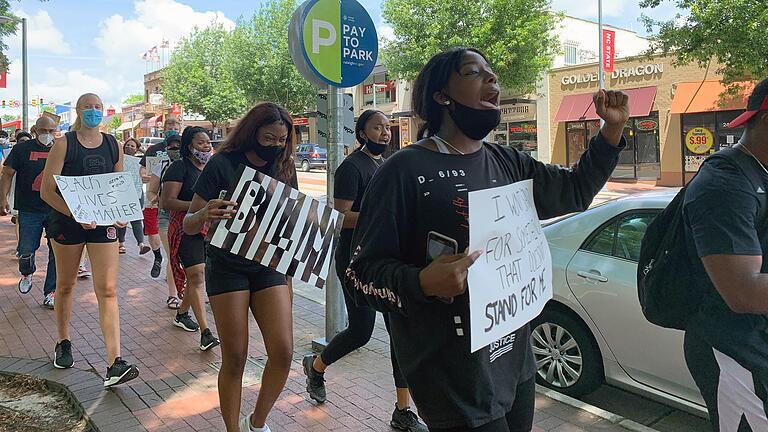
column 177, row 386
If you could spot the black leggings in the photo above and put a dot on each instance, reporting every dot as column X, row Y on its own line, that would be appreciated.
column 518, row 419
column 359, row 331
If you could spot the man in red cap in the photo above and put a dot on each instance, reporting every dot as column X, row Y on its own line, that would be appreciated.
column 726, row 229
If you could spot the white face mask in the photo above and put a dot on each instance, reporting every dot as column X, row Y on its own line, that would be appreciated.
column 45, row 139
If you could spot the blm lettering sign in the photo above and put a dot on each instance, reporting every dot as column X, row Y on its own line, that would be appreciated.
column 512, row 281
column 279, row 227
column 104, row 198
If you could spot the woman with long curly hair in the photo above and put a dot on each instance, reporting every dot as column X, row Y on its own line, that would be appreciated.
column 263, row 140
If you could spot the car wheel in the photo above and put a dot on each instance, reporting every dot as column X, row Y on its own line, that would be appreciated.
column 305, row 166
column 567, row 357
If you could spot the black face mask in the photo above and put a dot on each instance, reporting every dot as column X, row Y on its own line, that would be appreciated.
column 376, row 148
column 268, row 154
column 475, row 123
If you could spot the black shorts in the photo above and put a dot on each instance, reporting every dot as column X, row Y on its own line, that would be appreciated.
column 192, row 250
column 66, row 231
column 222, row 277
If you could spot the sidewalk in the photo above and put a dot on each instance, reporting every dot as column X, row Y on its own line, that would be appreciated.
column 177, row 386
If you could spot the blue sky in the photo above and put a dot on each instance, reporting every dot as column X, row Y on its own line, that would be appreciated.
column 96, row 45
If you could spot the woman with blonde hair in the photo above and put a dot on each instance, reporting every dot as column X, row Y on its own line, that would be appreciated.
column 82, row 152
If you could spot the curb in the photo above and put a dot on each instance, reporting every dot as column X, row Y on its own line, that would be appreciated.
column 102, row 409
column 616, row 419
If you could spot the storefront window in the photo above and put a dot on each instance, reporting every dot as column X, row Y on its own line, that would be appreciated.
column 522, row 136
column 576, row 141
column 382, row 86
column 699, row 132
column 640, row 158
column 727, row 137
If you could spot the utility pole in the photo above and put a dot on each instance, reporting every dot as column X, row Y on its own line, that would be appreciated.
column 335, row 316
column 600, row 77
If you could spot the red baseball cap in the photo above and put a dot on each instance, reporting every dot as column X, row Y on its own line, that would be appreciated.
column 757, row 102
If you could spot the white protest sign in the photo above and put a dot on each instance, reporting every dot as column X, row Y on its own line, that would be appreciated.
column 152, row 161
column 131, row 165
column 512, row 281
column 279, row 227
column 104, row 198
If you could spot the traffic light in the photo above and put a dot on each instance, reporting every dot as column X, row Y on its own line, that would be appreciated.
column 3, row 103
column 34, row 102
column 41, row 101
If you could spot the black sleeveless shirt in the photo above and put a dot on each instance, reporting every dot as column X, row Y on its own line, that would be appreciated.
column 83, row 161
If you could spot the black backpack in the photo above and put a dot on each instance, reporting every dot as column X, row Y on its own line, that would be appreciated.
column 666, row 286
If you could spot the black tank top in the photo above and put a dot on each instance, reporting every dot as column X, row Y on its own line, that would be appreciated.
column 83, row 161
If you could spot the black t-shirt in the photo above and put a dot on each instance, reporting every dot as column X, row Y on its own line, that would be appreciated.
column 417, row 191
column 153, row 150
column 218, row 175
column 28, row 160
column 350, row 182
column 185, row 172
column 721, row 218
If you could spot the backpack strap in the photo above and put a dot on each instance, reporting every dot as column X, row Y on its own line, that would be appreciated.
column 754, row 173
column 71, row 147
column 114, row 149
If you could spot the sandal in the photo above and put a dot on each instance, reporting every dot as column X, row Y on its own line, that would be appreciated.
column 143, row 249
column 122, row 250
column 172, row 302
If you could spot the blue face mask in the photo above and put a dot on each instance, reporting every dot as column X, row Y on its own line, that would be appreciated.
column 92, row 118
column 170, row 133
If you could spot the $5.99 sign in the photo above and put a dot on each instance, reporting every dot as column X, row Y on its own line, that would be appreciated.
column 699, row 140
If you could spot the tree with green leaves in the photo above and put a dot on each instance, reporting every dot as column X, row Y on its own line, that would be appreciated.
column 9, row 117
column 730, row 32
column 47, row 108
column 114, row 123
column 515, row 35
column 198, row 77
column 133, row 99
column 259, row 60
column 7, row 29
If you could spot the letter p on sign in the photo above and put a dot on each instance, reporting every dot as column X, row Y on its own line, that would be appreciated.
column 317, row 40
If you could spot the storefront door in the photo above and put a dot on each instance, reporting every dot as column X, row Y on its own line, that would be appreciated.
column 640, row 159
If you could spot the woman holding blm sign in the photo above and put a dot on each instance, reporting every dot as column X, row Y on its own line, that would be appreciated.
column 422, row 194
column 83, row 152
column 264, row 141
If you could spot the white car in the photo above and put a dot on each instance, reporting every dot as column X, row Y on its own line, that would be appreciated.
column 593, row 331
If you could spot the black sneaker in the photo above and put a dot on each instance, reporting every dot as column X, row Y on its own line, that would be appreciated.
column 208, row 340
column 156, row 267
column 120, row 372
column 315, row 380
column 184, row 321
column 407, row 420
column 63, row 356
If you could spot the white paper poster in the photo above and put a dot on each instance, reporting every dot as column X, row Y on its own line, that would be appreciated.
column 512, row 281
column 104, row 198
column 153, row 161
column 279, row 227
column 131, row 165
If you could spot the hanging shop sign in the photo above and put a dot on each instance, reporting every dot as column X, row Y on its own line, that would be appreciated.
column 333, row 42
column 699, row 140
column 647, row 125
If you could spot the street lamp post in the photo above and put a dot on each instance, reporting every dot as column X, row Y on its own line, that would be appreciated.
column 24, row 79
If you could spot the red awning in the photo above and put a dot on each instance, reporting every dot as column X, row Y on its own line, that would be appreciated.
column 580, row 107
column 151, row 122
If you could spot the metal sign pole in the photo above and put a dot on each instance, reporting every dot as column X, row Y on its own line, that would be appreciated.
column 335, row 311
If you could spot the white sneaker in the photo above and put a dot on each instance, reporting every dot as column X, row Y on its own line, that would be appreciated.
column 25, row 284
column 245, row 425
column 83, row 272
